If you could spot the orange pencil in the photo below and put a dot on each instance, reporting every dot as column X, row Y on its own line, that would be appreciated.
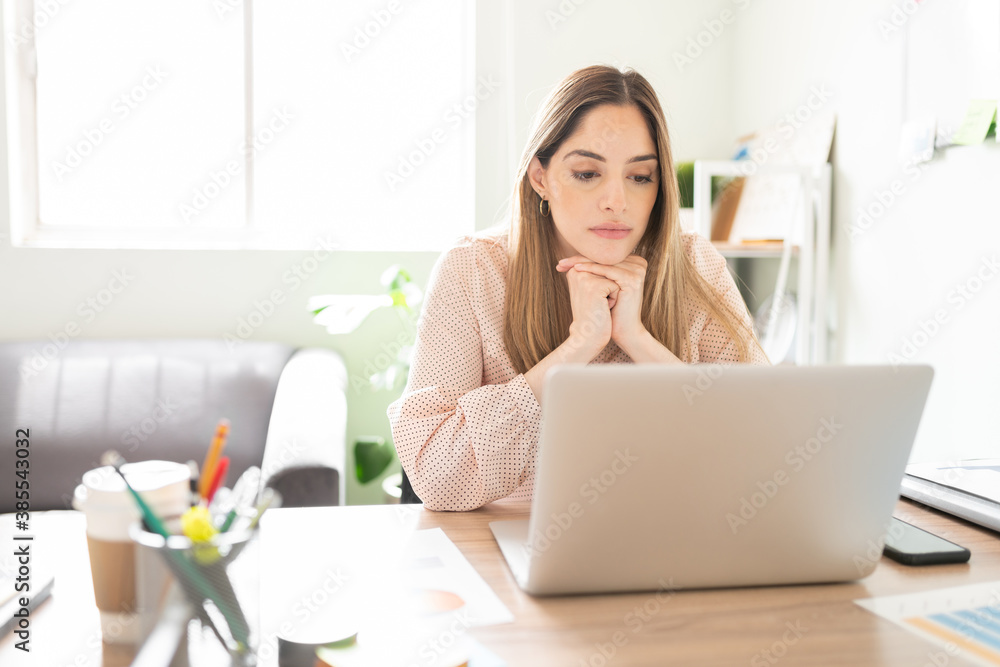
column 212, row 457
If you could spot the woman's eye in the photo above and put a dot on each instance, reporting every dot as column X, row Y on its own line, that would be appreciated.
column 643, row 179
column 584, row 175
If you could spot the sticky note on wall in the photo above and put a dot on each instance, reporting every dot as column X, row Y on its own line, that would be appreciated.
column 976, row 123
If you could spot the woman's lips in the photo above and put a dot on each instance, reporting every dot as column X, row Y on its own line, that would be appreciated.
column 611, row 233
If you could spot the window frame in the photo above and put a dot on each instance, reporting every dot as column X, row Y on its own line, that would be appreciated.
column 27, row 228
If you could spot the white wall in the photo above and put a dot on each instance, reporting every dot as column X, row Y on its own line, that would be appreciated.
column 644, row 34
column 547, row 40
column 181, row 293
column 760, row 66
column 904, row 267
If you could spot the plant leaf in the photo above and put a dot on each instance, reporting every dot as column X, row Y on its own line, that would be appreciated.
column 372, row 455
column 398, row 298
column 343, row 313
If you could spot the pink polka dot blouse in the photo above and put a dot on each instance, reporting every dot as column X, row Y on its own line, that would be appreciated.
column 466, row 428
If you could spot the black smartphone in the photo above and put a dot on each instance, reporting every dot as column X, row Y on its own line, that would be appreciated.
column 907, row 544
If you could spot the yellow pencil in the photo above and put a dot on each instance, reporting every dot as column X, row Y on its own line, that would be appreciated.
column 212, row 457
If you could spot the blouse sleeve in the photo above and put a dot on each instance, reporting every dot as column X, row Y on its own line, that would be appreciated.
column 462, row 444
column 715, row 345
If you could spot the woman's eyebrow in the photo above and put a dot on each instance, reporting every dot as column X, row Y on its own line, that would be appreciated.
column 600, row 158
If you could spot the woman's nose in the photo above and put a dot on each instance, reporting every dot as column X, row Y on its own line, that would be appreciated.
column 613, row 196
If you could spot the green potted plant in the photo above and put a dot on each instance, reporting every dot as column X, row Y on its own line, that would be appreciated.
column 343, row 314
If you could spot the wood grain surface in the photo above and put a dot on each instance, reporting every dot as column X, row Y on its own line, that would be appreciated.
column 793, row 625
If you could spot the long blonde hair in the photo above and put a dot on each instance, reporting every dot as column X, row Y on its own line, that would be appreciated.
column 537, row 312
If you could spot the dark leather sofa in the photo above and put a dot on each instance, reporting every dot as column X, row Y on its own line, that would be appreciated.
column 161, row 399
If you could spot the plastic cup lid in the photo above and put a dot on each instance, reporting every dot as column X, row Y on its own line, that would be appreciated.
column 104, row 485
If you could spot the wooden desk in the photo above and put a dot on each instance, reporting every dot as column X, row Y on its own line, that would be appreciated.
column 715, row 627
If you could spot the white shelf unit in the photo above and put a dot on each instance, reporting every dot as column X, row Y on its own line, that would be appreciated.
column 813, row 327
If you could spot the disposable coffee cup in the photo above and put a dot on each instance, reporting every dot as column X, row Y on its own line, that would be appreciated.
column 127, row 610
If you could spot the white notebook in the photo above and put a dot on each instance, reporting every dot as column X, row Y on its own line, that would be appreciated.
column 969, row 489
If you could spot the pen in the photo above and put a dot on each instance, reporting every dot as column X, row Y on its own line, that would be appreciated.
column 267, row 497
column 193, row 482
column 230, row 517
column 218, row 475
column 244, row 492
column 212, row 457
column 115, row 460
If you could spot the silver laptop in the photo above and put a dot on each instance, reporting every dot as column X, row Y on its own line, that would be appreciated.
column 651, row 477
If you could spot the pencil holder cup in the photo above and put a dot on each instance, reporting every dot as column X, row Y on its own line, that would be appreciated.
column 221, row 580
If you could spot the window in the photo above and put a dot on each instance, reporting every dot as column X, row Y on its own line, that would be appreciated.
column 220, row 123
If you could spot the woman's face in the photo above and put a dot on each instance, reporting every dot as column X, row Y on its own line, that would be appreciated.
column 601, row 185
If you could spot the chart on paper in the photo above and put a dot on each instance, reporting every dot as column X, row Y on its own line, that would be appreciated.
column 964, row 620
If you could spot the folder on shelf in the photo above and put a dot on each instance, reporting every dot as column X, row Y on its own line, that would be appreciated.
column 724, row 209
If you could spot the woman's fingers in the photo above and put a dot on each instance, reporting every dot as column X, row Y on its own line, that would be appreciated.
column 622, row 276
column 609, row 279
column 567, row 263
column 585, row 280
column 633, row 263
column 592, row 297
column 604, row 283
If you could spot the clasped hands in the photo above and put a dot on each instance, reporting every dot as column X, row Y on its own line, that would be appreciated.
column 606, row 300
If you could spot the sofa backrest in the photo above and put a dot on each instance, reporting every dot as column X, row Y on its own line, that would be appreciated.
column 147, row 399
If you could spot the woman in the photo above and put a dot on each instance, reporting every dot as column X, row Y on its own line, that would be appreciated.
column 594, row 268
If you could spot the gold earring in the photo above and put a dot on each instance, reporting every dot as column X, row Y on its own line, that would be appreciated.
column 544, row 212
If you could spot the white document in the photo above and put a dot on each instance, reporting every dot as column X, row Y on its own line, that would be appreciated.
column 433, row 562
